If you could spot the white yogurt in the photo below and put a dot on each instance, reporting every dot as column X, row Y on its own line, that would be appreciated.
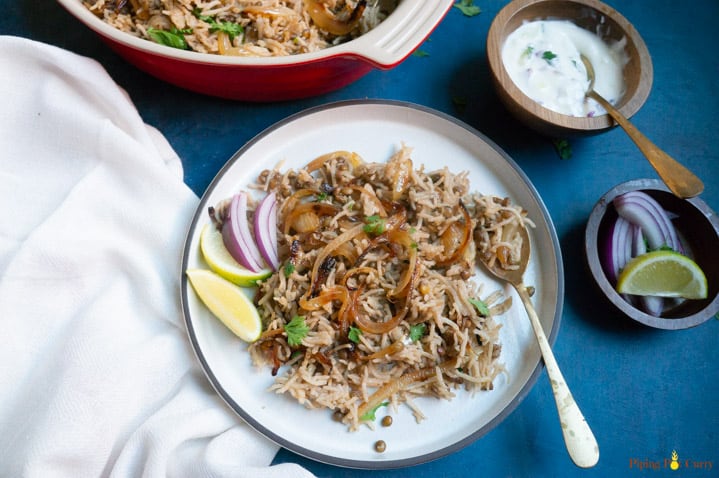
column 542, row 59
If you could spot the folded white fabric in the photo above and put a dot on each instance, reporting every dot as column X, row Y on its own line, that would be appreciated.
column 97, row 377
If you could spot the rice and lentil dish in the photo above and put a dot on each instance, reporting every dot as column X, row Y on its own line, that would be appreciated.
column 376, row 266
column 244, row 27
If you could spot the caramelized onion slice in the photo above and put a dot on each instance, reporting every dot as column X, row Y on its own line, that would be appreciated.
column 466, row 235
column 325, row 297
column 305, row 217
column 353, row 158
column 346, row 236
column 368, row 325
column 399, row 384
column 327, row 21
column 391, row 349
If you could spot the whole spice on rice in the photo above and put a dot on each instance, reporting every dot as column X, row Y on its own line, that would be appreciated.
column 380, row 306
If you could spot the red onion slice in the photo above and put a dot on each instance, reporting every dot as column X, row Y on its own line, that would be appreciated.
column 617, row 250
column 237, row 237
column 265, row 223
column 652, row 305
column 641, row 209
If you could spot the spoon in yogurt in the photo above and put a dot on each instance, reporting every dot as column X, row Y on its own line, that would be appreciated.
column 682, row 182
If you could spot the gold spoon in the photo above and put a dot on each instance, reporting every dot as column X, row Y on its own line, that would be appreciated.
column 682, row 182
column 578, row 437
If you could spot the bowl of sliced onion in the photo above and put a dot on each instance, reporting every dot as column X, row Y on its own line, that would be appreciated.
column 262, row 51
column 655, row 256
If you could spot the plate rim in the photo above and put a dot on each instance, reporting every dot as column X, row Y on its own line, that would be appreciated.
column 322, row 457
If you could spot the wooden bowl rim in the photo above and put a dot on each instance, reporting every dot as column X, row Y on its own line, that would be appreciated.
column 535, row 112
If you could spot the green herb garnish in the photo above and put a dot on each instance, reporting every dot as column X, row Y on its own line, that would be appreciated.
column 481, row 306
column 417, row 331
column 420, row 53
column 371, row 414
column 354, row 334
column 174, row 38
column 548, row 56
column 288, row 269
column 231, row 29
column 468, row 8
column 296, row 330
column 528, row 51
column 321, row 196
column 374, row 225
column 564, row 149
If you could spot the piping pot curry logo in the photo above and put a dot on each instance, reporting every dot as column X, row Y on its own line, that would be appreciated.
column 672, row 463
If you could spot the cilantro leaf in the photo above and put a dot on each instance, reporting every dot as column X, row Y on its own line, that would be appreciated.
column 564, row 149
column 174, row 38
column 289, row 269
column 481, row 306
column 354, row 334
column 370, row 415
column 231, row 29
column 468, row 8
column 548, row 56
column 417, row 331
column 374, row 225
column 296, row 330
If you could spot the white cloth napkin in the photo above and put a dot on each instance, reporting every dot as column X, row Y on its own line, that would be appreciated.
column 97, row 377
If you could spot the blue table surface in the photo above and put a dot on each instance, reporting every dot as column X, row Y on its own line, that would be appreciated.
column 645, row 392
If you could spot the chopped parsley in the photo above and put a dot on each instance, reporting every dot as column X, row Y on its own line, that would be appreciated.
column 231, row 29
column 289, row 269
column 374, row 225
column 321, row 196
column 468, row 8
column 370, row 415
column 481, row 306
column 417, row 331
column 354, row 334
column 174, row 38
column 548, row 56
column 296, row 330
column 564, row 149
column 528, row 51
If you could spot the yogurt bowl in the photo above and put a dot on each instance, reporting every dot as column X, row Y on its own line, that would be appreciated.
column 547, row 36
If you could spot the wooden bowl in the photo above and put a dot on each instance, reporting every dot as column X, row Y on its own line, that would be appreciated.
column 698, row 228
column 591, row 15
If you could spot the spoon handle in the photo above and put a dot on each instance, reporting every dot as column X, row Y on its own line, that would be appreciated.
column 682, row 182
column 578, row 437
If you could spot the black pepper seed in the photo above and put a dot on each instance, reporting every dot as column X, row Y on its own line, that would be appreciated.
column 387, row 421
column 380, row 446
column 337, row 416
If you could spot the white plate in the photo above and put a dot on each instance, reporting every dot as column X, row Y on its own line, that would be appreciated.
column 375, row 129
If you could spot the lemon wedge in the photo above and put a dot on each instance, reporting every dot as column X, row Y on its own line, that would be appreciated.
column 227, row 302
column 663, row 274
column 219, row 259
